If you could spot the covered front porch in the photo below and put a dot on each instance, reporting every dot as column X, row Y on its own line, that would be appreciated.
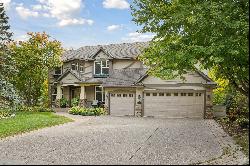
column 89, row 95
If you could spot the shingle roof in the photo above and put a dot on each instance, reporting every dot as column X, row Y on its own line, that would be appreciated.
column 118, row 51
column 124, row 77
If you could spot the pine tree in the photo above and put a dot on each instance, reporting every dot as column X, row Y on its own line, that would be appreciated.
column 8, row 95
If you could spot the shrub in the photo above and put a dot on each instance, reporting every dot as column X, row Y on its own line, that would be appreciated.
column 243, row 122
column 5, row 113
column 75, row 110
column 86, row 111
column 75, row 101
column 63, row 102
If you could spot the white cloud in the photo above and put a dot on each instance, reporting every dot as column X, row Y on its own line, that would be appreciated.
column 116, row 4
column 137, row 37
column 114, row 27
column 21, row 38
column 74, row 21
column 62, row 9
column 37, row 7
column 6, row 3
column 24, row 13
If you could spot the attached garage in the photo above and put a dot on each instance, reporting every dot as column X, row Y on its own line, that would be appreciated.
column 174, row 104
column 122, row 103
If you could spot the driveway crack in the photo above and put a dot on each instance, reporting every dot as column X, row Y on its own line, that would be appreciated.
column 144, row 143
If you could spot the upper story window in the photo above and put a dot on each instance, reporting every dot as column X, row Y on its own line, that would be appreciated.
column 76, row 66
column 101, row 67
column 58, row 71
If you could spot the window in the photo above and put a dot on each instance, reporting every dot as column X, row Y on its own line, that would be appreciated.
column 54, row 92
column 112, row 95
column 73, row 66
column 119, row 95
column 169, row 94
column 199, row 94
column 131, row 95
column 101, row 67
column 99, row 94
column 161, row 94
column 190, row 94
column 58, row 71
column 208, row 97
column 175, row 94
column 154, row 94
column 81, row 68
column 183, row 94
column 125, row 95
column 196, row 94
column 147, row 94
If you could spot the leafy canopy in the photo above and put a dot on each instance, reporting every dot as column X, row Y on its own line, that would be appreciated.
column 33, row 59
column 193, row 34
column 8, row 94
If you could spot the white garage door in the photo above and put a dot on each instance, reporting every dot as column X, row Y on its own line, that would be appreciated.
column 122, row 103
column 174, row 104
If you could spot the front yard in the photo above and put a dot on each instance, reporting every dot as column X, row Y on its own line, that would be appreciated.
column 28, row 121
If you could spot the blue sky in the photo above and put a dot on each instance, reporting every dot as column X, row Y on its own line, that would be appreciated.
column 75, row 22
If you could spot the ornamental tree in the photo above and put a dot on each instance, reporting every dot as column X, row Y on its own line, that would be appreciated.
column 34, row 58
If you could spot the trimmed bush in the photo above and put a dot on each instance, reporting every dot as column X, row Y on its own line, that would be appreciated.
column 63, row 102
column 87, row 111
column 75, row 101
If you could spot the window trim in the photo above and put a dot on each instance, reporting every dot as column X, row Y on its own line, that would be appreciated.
column 106, row 67
column 101, row 92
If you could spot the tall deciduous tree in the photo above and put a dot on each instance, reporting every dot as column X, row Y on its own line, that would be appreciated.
column 208, row 33
column 8, row 95
column 34, row 58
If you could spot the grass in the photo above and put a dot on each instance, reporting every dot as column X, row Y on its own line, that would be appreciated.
column 28, row 121
column 241, row 136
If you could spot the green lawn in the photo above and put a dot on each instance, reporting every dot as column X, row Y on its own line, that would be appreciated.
column 28, row 121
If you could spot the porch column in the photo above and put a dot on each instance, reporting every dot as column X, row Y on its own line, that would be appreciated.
column 83, row 100
column 59, row 92
column 58, row 96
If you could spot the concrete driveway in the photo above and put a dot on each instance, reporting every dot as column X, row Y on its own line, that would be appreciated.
column 123, row 140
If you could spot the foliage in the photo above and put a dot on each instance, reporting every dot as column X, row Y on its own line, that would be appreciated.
column 63, row 102
column 87, row 111
column 34, row 58
column 8, row 95
column 5, row 113
column 75, row 101
column 28, row 121
column 23, row 108
column 220, row 93
column 237, row 108
column 196, row 34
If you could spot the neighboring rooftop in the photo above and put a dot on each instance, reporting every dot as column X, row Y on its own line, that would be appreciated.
column 117, row 51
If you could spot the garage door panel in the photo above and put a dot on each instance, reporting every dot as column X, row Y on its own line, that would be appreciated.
column 121, row 105
column 188, row 105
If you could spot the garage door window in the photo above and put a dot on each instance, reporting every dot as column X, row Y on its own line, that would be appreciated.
column 119, row 95
column 125, row 95
column 131, row 95
column 154, row 94
column 147, row 94
column 190, row 94
column 196, row 94
column 161, row 94
column 199, row 94
column 175, row 94
column 168, row 94
column 183, row 94
column 112, row 95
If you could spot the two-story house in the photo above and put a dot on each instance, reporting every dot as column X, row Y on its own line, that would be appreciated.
column 112, row 75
